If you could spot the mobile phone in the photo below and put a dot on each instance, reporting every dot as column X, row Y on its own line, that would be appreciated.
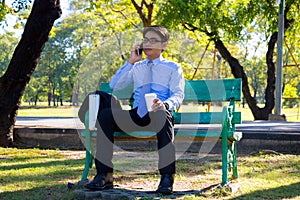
column 139, row 51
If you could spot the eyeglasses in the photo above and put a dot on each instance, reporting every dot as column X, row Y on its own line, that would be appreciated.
column 151, row 40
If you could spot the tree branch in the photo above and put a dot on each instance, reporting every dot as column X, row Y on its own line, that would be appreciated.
column 146, row 20
column 121, row 12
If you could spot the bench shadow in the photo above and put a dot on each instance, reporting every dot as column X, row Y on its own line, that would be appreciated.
column 57, row 191
column 283, row 192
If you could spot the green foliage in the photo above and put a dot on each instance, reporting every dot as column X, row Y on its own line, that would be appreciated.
column 70, row 42
column 4, row 10
column 290, row 90
column 13, row 7
column 229, row 20
column 7, row 45
column 257, row 79
column 104, row 60
column 290, row 96
column 119, row 15
column 225, row 19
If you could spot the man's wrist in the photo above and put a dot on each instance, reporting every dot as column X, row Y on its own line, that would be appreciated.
column 130, row 61
column 166, row 106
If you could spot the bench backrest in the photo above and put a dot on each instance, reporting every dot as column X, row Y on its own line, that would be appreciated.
column 196, row 90
column 221, row 90
column 213, row 90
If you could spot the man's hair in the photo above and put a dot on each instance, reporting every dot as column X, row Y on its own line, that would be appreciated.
column 160, row 30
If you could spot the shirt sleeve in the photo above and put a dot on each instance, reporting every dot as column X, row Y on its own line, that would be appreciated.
column 177, row 84
column 122, row 78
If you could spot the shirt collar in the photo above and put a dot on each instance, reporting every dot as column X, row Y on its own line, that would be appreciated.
column 156, row 60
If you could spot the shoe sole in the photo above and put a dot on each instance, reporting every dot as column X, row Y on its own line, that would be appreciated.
column 164, row 192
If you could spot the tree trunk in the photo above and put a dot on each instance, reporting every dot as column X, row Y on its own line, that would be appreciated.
column 238, row 72
column 23, row 64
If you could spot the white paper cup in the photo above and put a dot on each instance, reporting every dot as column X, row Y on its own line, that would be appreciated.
column 94, row 102
column 149, row 100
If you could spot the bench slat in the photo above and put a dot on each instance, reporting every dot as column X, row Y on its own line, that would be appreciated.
column 213, row 90
column 204, row 118
column 179, row 135
column 206, row 135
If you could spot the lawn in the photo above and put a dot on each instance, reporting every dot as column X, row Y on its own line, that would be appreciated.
column 44, row 174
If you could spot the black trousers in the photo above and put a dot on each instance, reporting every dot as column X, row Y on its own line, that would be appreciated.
column 111, row 120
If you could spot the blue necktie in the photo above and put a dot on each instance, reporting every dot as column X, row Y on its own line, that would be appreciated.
column 146, row 88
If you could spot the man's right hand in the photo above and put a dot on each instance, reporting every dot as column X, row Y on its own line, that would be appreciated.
column 134, row 56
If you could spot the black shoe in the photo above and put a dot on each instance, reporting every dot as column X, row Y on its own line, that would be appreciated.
column 101, row 182
column 166, row 184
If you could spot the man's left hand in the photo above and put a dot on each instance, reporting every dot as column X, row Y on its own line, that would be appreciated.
column 158, row 105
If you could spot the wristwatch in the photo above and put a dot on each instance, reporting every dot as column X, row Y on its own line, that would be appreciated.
column 166, row 105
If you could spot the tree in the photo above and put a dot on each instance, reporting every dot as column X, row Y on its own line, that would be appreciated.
column 23, row 64
column 224, row 22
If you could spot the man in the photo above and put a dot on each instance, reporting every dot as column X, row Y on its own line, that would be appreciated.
column 152, row 75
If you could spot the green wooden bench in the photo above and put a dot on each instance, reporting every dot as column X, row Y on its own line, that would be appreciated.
column 198, row 91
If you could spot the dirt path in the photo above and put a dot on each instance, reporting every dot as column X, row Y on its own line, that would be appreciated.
column 136, row 176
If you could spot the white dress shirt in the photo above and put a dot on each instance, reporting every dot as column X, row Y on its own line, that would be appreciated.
column 167, row 80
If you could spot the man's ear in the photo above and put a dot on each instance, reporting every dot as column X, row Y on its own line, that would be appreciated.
column 164, row 45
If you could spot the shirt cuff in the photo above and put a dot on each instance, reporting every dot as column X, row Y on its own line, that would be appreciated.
column 170, row 105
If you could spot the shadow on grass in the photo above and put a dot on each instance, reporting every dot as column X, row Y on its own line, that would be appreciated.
column 282, row 192
column 39, row 164
column 55, row 192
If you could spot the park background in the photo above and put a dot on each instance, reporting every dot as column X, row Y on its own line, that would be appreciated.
column 91, row 41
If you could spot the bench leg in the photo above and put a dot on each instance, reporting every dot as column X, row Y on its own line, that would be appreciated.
column 234, row 162
column 224, row 159
column 88, row 155
column 87, row 166
column 229, row 162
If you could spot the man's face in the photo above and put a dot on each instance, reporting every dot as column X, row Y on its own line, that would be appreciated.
column 153, row 45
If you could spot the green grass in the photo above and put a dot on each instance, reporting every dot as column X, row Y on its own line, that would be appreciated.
column 36, row 174
column 292, row 114
column 43, row 174
column 44, row 111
